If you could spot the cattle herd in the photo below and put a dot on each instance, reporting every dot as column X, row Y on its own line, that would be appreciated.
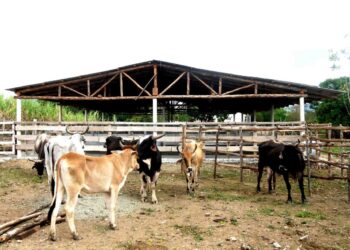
column 70, row 171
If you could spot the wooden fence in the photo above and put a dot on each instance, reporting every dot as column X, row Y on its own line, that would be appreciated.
column 324, row 146
column 231, row 145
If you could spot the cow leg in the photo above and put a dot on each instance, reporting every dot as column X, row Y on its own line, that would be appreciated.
column 286, row 180
column 188, row 181
column 59, row 197
column 196, row 174
column 301, row 186
column 274, row 180
column 111, row 201
column 143, row 190
column 260, row 172
column 270, row 175
column 153, row 187
column 72, row 199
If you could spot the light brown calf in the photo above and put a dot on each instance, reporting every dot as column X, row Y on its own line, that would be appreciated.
column 192, row 156
column 76, row 173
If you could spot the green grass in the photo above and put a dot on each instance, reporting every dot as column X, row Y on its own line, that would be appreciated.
column 220, row 195
column 15, row 176
column 196, row 233
column 311, row 215
column 267, row 211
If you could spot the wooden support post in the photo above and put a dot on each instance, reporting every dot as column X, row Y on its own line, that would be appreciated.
column 188, row 83
column 241, row 152
column 216, row 151
column 121, row 84
column 307, row 146
column 302, row 107
column 19, row 120
column 88, row 87
column 220, row 86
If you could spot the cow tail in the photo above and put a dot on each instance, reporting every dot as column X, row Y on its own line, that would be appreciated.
column 55, row 186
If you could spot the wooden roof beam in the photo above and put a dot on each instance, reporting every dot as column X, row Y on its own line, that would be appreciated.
column 205, row 84
column 106, row 83
column 176, row 97
column 136, row 84
column 238, row 89
column 173, row 83
column 73, row 90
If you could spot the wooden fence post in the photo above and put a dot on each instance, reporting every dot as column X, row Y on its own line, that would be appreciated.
column 329, row 136
column 341, row 150
column 241, row 152
column 348, row 170
column 216, row 150
column 184, row 135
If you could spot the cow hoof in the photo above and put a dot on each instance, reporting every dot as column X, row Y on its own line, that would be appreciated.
column 113, row 226
column 76, row 237
column 289, row 201
column 154, row 201
column 143, row 199
column 53, row 237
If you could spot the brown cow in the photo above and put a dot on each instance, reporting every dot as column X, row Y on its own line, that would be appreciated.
column 105, row 174
column 192, row 156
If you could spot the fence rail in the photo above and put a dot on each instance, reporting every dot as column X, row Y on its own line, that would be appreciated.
column 227, row 144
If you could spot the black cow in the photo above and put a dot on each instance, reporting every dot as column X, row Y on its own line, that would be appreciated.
column 39, row 166
column 117, row 143
column 282, row 159
column 149, row 172
column 150, row 160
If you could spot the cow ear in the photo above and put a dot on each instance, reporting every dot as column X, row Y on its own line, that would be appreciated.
column 178, row 161
column 134, row 153
column 154, row 148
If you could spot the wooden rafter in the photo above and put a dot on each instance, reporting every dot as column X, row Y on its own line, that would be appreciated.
column 237, row 96
column 105, row 84
column 153, row 77
column 88, row 87
column 73, row 90
column 205, row 84
column 238, row 89
column 173, row 83
column 48, row 85
column 136, row 83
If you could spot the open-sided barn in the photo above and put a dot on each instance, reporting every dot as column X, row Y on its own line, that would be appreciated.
column 147, row 86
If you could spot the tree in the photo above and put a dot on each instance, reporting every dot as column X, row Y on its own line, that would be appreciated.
column 335, row 111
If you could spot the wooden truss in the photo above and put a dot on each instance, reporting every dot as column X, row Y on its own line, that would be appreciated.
column 77, row 92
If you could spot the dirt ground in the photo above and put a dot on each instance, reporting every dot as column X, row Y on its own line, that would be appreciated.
column 223, row 214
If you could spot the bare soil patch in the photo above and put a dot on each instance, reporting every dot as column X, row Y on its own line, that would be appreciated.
column 223, row 214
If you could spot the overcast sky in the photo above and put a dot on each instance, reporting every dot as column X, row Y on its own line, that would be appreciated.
column 283, row 40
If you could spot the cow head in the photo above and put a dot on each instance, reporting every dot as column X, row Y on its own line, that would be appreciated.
column 77, row 143
column 39, row 166
column 39, row 145
column 114, row 143
column 187, row 153
column 148, row 146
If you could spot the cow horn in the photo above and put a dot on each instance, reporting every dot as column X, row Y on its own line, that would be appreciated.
column 81, row 133
column 121, row 144
column 157, row 137
column 177, row 148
